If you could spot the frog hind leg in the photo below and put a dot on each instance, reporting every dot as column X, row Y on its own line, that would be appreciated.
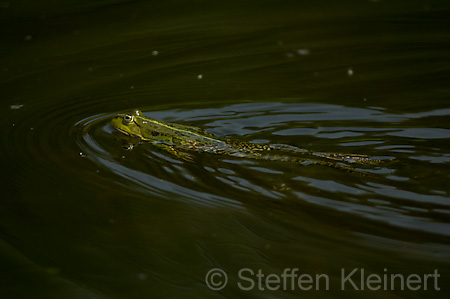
column 343, row 167
column 305, row 161
column 349, row 158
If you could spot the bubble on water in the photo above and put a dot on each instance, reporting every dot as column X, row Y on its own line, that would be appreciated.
column 16, row 106
column 199, row 76
column 350, row 72
column 154, row 53
column 303, row 52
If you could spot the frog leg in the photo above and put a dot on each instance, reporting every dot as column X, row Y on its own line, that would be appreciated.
column 343, row 167
column 350, row 158
column 127, row 142
column 182, row 155
column 330, row 164
column 302, row 161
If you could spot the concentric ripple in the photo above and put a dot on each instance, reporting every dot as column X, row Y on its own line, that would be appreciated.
column 391, row 196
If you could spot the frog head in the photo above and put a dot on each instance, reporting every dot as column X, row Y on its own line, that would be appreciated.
column 129, row 124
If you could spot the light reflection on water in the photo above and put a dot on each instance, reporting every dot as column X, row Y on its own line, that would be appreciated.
column 82, row 213
column 268, row 180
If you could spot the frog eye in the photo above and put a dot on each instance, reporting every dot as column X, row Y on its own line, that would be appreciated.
column 128, row 118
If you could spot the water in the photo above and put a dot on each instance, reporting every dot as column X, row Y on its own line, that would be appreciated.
column 81, row 217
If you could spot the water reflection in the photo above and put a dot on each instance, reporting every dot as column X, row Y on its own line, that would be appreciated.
column 218, row 180
column 81, row 213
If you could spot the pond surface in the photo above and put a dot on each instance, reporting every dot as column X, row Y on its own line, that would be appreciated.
column 82, row 217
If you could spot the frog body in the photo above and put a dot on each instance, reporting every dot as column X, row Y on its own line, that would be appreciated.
column 181, row 139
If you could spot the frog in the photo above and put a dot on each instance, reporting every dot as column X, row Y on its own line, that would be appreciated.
column 181, row 140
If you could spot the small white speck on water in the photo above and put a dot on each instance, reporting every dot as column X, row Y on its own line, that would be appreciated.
column 303, row 52
column 154, row 53
column 199, row 76
column 131, row 87
column 16, row 106
column 365, row 100
column 13, row 125
column 350, row 72
column 142, row 276
column 82, row 155
column 31, row 128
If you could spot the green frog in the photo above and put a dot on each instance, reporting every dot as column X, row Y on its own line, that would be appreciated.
column 181, row 139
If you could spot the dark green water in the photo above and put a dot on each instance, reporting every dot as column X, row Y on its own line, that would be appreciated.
column 80, row 217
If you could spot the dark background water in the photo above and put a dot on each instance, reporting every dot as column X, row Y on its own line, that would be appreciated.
column 80, row 217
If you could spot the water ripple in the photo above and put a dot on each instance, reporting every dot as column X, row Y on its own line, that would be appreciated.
column 390, row 197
